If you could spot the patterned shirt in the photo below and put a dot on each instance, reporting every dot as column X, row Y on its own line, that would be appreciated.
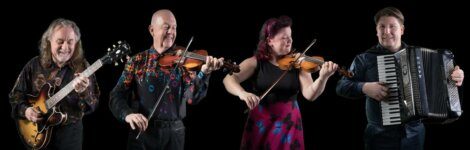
column 33, row 77
column 144, row 79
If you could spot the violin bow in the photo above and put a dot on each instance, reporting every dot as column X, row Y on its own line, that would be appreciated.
column 167, row 84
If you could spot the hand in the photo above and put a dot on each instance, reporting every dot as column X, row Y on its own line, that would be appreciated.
column 457, row 76
column 137, row 120
column 375, row 90
column 80, row 83
column 327, row 69
column 212, row 64
column 250, row 99
column 32, row 114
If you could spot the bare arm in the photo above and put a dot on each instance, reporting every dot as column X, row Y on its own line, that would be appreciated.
column 312, row 89
column 232, row 82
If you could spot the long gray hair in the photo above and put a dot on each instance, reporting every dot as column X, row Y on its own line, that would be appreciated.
column 77, row 61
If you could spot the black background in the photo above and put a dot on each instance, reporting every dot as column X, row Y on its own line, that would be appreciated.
column 230, row 29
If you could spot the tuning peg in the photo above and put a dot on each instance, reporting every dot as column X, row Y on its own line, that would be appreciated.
column 116, row 64
column 114, row 45
column 122, row 60
column 109, row 49
column 118, row 51
column 119, row 42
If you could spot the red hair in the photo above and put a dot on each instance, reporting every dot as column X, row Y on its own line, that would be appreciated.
column 270, row 28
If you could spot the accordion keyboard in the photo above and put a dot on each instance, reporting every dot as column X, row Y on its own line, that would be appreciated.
column 391, row 105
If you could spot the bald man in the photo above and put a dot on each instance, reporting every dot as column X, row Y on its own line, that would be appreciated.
column 142, row 81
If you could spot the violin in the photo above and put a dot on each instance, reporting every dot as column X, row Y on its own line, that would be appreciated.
column 192, row 60
column 309, row 64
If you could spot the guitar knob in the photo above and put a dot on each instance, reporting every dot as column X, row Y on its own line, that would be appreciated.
column 116, row 64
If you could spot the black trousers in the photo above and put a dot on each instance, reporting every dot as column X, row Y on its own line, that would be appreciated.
column 396, row 137
column 67, row 137
column 160, row 135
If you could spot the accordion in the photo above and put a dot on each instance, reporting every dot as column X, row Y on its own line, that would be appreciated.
column 420, row 86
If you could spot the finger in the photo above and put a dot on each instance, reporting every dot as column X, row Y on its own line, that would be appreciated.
column 384, row 88
column 248, row 104
column 36, row 110
column 383, row 94
column 257, row 101
column 379, row 97
column 38, row 118
column 325, row 65
column 35, row 114
column 221, row 60
column 35, row 119
column 87, row 82
column 335, row 66
column 141, row 123
column 138, row 123
column 30, row 118
column 217, row 63
column 208, row 60
column 132, row 125
column 84, row 79
column 145, row 123
column 331, row 66
column 252, row 102
column 211, row 62
column 456, row 79
column 214, row 63
column 457, row 67
column 82, row 82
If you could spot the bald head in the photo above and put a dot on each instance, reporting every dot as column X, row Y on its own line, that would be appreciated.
column 161, row 15
column 163, row 29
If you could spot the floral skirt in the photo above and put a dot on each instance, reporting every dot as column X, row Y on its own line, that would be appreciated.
column 273, row 126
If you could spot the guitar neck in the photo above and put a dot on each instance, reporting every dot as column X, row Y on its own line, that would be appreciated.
column 53, row 100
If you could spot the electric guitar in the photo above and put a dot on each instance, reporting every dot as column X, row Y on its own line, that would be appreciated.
column 36, row 135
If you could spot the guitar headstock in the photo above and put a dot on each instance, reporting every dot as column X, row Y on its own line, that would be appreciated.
column 116, row 53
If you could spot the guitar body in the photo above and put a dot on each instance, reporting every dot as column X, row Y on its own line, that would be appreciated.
column 36, row 135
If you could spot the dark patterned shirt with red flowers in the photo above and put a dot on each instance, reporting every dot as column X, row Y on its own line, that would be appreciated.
column 144, row 79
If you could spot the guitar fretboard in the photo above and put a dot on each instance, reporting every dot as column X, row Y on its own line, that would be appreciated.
column 52, row 101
